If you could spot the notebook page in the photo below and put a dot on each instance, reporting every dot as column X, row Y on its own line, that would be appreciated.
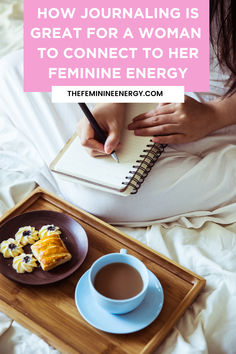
column 104, row 170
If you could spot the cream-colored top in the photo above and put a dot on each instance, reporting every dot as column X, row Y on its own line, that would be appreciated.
column 26, row 235
column 48, row 230
column 10, row 248
column 24, row 263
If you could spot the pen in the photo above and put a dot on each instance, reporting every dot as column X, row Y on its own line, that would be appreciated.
column 99, row 132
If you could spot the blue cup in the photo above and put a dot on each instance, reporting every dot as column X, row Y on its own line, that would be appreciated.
column 112, row 305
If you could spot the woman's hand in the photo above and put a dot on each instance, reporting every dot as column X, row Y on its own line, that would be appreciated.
column 177, row 123
column 110, row 117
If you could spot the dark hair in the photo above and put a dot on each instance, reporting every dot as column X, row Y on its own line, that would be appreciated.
column 223, row 36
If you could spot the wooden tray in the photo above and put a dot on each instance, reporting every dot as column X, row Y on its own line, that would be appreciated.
column 50, row 311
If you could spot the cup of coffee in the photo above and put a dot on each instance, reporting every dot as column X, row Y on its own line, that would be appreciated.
column 118, row 282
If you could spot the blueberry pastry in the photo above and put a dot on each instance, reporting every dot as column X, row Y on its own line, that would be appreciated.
column 48, row 230
column 24, row 263
column 10, row 248
column 26, row 235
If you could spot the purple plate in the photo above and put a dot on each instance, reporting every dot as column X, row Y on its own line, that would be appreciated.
column 72, row 234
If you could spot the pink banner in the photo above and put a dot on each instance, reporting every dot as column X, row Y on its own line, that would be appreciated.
column 91, row 43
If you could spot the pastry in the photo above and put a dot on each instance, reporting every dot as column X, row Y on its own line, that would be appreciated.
column 10, row 248
column 24, row 263
column 50, row 251
column 47, row 230
column 26, row 234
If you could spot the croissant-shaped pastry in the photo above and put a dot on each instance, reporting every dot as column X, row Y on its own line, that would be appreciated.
column 50, row 252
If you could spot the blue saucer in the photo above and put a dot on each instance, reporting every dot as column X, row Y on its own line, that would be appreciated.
column 130, row 322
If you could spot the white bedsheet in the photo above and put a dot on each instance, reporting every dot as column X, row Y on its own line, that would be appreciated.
column 204, row 242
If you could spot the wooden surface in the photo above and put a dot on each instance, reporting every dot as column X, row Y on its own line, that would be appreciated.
column 50, row 311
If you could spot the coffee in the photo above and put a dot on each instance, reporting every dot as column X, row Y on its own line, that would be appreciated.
column 118, row 281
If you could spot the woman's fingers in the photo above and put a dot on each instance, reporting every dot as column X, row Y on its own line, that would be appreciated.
column 87, row 139
column 95, row 153
column 152, row 121
column 170, row 139
column 162, row 108
column 94, row 147
column 110, row 117
column 112, row 141
column 166, row 108
column 144, row 115
column 165, row 129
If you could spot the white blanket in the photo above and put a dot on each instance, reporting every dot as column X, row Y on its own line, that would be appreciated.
column 203, row 241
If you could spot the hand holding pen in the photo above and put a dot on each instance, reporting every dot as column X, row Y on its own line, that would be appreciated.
column 110, row 118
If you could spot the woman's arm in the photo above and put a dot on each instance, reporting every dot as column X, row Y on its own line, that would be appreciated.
column 110, row 117
column 178, row 123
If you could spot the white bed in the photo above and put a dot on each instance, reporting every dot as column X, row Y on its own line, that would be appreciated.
column 203, row 241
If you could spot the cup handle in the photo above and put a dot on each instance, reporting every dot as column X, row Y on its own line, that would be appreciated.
column 123, row 251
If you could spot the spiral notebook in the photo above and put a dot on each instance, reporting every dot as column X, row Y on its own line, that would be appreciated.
column 137, row 156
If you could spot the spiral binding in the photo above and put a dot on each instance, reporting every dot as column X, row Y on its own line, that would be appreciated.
column 149, row 158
